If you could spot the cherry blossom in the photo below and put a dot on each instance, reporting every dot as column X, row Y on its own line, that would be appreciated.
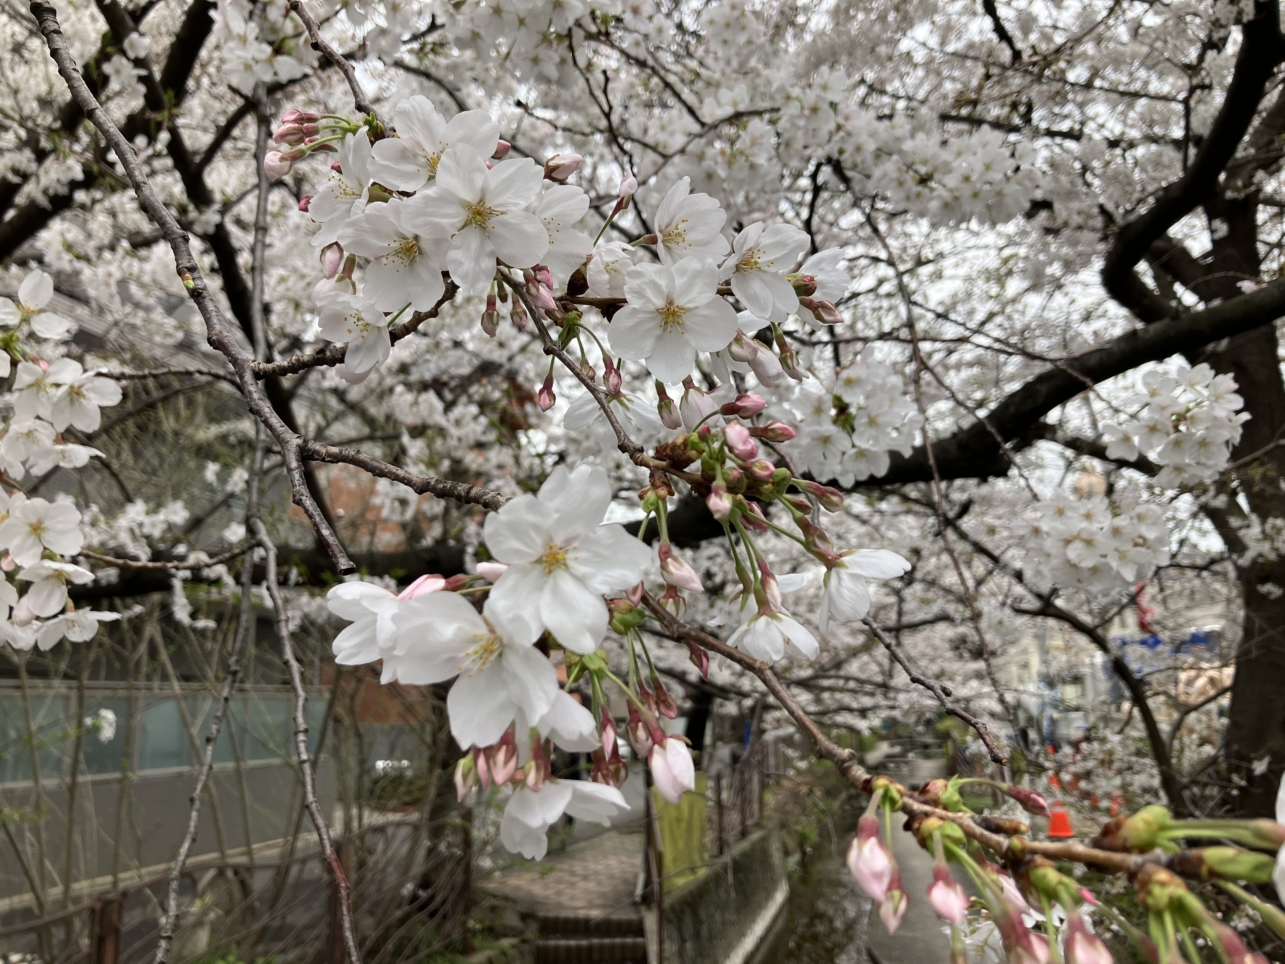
column 405, row 269
column 608, row 268
column 79, row 396
column 483, row 213
column 48, row 592
column 345, row 192
column 761, row 254
column 409, row 161
column 529, row 814
column 672, row 769
column 560, row 560
column 847, row 594
column 634, row 415
column 499, row 673
column 359, row 322
column 35, row 292
column 37, row 524
column 560, row 208
column 689, row 225
column 673, row 312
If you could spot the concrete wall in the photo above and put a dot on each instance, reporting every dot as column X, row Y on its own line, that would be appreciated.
column 727, row 914
column 155, row 819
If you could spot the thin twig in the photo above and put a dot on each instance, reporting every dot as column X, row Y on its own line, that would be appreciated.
column 341, row 62
column 301, row 740
column 940, row 693
column 139, row 565
column 333, row 355
column 219, row 333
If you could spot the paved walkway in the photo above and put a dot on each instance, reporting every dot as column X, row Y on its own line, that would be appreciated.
column 595, row 877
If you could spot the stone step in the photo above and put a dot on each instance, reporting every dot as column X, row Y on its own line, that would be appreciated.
column 591, row 950
column 567, row 925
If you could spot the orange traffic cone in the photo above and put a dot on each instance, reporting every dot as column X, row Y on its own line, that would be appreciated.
column 1060, row 821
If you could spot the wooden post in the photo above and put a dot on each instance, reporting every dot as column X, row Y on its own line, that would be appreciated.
column 719, row 816
column 107, row 927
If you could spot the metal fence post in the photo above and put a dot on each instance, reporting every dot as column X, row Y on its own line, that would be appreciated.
column 107, row 927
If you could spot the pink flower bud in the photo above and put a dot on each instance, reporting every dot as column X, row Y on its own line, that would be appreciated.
column 753, row 516
column 422, row 586
column 277, row 165
column 672, row 770
column 665, row 701
column 465, row 777
column 483, row 767
column 291, row 134
column 742, row 348
column 744, row 406
column 893, row 907
column 760, row 470
column 1030, row 801
column 767, row 369
column 561, row 166
column 699, row 658
column 823, row 311
column 719, row 502
column 696, row 406
column 831, row 499
column 332, row 258
column 773, row 432
column 790, row 364
column 611, row 379
column 293, row 116
column 543, row 298
column 670, row 417
column 543, row 275
column 737, row 438
column 1013, row 895
column 804, row 284
column 869, row 859
column 628, row 185
column 456, row 582
column 504, row 758
column 501, row 150
column 607, row 728
column 948, row 900
column 638, row 733
column 546, row 397
column 491, row 571
column 678, row 571
column 518, row 315
column 490, row 323
column 305, row 202
column 1083, row 947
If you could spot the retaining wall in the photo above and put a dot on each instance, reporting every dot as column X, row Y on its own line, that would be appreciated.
column 728, row 914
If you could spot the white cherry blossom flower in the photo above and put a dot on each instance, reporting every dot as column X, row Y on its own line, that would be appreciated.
column 359, row 322
column 500, row 672
column 673, row 312
column 79, row 396
column 405, row 268
column 48, row 592
column 35, row 292
column 761, row 254
column 560, row 208
column 483, row 213
column 524, row 828
column 636, row 416
column 847, row 595
column 36, row 525
column 561, row 560
column 672, row 769
column 409, row 161
column 27, row 440
column 608, row 268
column 768, row 635
column 345, row 192
column 79, row 627
column 689, row 225
column 567, row 723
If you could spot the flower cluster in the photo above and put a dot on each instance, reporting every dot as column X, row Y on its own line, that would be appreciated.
column 849, row 424
column 1094, row 544
column 40, row 537
column 1188, row 423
